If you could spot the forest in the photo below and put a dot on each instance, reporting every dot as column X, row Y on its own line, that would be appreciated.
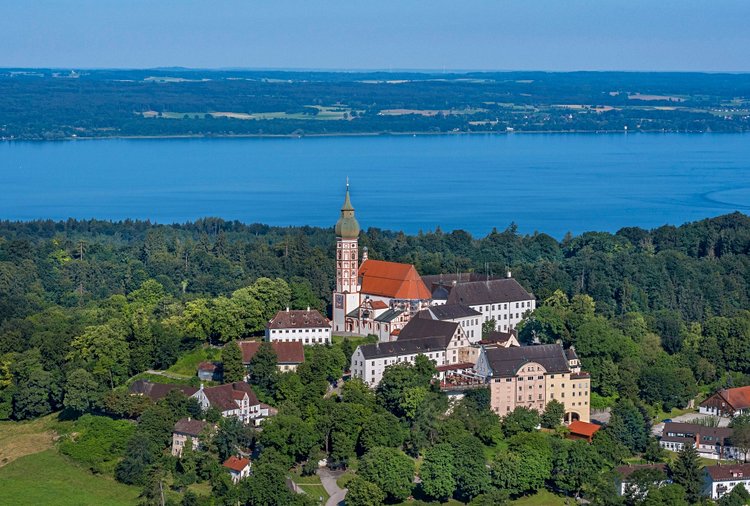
column 658, row 317
column 56, row 104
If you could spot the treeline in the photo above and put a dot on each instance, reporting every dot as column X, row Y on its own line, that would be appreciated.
column 105, row 103
column 660, row 312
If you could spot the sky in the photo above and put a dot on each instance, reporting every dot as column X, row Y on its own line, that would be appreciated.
column 664, row 35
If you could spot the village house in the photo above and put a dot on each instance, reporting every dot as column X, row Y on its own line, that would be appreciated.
column 722, row 478
column 469, row 319
column 623, row 474
column 709, row 442
column 289, row 355
column 234, row 399
column 728, row 402
column 503, row 300
column 303, row 326
column 187, row 429
column 532, row 376
column 443, row 342
column 238, row 467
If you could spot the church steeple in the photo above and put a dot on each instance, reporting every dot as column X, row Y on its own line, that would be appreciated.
column 347, row 227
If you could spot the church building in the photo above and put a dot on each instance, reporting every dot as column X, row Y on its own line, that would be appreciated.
column 371, row 296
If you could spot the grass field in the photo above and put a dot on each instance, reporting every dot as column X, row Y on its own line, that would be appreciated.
column 311, row 485
column 18, row 439
column 187, row 364
column 49, row 478
column 543, row 498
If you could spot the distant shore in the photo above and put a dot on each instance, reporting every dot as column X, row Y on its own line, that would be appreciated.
column 365, row 134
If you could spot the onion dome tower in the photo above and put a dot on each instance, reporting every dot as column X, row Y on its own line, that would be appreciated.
column 346, row 296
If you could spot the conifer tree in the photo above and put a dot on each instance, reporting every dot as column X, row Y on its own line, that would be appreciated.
column 686, row 471
column 231, row 359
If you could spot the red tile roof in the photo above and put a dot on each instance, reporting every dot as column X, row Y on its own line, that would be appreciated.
column 378, row 304
column 391, row 279
column 223, row 396
column 738, row 398
column 625, row 471
column 583, row 428
column 286, row 352
column 207, row 366
column 299, row 319
column 729, row 472
column 236, row 464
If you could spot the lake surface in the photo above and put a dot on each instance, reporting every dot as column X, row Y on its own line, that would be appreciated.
column 548, row 183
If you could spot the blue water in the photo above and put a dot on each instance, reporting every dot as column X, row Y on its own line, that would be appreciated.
column 547, row 183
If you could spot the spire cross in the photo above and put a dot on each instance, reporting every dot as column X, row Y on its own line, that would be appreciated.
column 347, row 182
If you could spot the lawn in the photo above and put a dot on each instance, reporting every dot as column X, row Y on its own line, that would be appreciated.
column 49, row 478
column 187, row 364
column 543, row 498
column 311, row 485
column 18, row 439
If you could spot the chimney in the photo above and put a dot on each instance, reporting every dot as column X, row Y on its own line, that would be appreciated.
column 508, row 274
column 188, row 418
column 308, row 309
column 287, row 309
column 201, row 386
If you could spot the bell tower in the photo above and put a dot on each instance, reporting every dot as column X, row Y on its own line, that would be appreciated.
column 346, row 295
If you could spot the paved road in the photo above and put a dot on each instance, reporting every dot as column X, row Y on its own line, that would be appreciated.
column 687, row 417
column 328, row 479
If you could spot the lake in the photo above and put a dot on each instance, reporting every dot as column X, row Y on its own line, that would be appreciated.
column 549, row 183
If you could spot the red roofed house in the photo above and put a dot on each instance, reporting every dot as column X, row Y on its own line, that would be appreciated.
column 239, row 468
column 721, row 479
column 288, row 355
column 582, row 430
column 728, row 402
column 374, row 296
column 234, row 399
column 306, row 327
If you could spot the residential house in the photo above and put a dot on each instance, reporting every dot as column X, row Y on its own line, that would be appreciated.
column 722, row 478
column 289, row 355
column 185, row 429
column 623, row 474
column 234, row 399
column 728, row 402
column 709, row 442
column 532, row 376
column 238, row 467
column 469, row 319
column 306, row 327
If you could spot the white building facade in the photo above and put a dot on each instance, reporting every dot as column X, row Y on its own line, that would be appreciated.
column 307, row 327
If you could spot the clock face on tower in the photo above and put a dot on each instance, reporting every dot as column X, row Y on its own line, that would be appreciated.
column 339, row 301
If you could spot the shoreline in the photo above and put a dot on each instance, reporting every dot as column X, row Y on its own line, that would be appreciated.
column 371, row 134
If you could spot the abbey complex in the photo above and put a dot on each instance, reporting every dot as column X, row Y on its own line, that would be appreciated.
column 443, row 318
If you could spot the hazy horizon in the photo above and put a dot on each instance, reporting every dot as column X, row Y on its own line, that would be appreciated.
column 356, row 35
